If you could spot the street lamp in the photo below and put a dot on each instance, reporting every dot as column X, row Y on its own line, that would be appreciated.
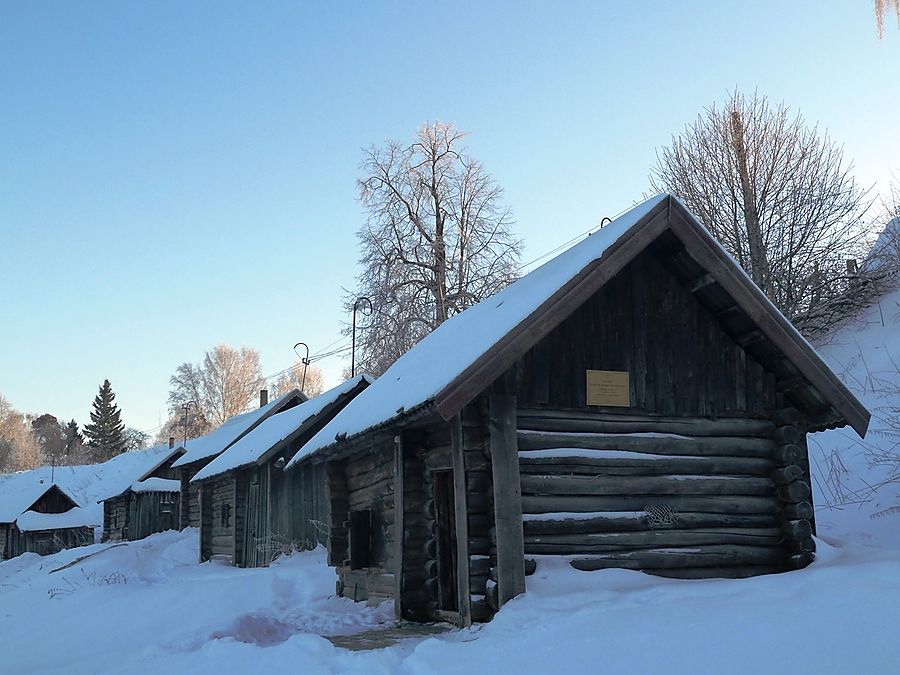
column 361, row 299
column 185, row 407
column 304, row 360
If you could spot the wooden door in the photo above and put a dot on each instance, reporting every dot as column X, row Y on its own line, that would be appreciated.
column 252, row 530
column 445, row 534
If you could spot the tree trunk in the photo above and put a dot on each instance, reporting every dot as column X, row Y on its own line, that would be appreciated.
column 758, row 262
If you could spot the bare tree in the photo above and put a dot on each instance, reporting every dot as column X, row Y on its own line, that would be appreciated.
column 881, row 8
column 224, row 384
column 19, row 449
column 776, row 193
column 310, row 383
column 437, row 240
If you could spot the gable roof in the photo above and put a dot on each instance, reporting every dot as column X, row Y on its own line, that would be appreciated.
column 450, row 366
column 19, row 492
column 131, row 467
column 220, row 438
column 284, row 426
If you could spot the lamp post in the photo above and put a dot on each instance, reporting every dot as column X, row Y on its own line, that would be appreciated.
column 361, row 299
column 185, row 407
column 304, row 360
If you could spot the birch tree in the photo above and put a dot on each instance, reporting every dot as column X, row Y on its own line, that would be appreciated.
column 310, row 383
column 777, row 194
column 881, row 9
column 437, row 240
column 225, row 383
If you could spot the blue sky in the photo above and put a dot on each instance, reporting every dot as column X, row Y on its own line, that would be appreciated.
column 178, row 174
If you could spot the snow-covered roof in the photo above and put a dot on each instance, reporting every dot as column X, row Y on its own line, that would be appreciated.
column 19, row 491
column 276, row 429
column 463, row 351
column 156, row 485
column 32, row 521
column 217, row 440
column 120, row 472
column 417, row 376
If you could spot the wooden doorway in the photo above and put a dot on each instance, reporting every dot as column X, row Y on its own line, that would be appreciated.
column 445, row 534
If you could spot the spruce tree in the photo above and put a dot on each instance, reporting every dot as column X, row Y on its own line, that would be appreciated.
column 106, row 432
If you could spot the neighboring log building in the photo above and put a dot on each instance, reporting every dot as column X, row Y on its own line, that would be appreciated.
column 36, row 517
column 151, row 501
column 201, row 451
column 635, row 402
column 252, row 510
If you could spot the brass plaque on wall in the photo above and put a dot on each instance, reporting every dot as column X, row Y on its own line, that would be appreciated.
column 608, row 387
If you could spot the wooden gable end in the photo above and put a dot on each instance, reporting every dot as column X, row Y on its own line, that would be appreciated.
column 53, row 500
column 706, row 272
column 677, row 356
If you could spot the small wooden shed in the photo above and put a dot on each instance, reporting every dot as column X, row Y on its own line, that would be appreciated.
column 253, row 510
column 151, row 501
column 201, row 451
column 635, row 402
column 41, row 518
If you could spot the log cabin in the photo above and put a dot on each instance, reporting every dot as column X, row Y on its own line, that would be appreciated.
column 40, row 517
column 201, row 451
column 252, row 510
column 636, row 402
column 150, row 502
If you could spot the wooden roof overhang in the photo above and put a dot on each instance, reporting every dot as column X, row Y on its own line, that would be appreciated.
column 718, row 282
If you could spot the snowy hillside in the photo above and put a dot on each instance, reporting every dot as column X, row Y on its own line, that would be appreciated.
column 856, row 498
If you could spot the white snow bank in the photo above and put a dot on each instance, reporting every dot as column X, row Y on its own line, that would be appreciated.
column 856, row 488
column 156, row 485
column 587, row 515
column 248, row 449
column 587, row 453
column 32, row 521
column 417, row 376
column 174, row 615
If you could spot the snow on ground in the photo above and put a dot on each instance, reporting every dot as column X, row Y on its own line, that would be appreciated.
column 149, row 607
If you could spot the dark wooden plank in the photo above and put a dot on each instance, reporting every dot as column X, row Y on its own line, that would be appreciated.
column 507, row 498
column 399, row 506
column 462, row 526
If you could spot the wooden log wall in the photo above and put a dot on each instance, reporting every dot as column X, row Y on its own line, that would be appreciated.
column 14, row 542
column 189, row 510
column 364, row 482
column 636, row 323
column 303, row 495
column 216, row 538
column 240, row 523
column 708, row 504
column 420, row 563
column 151, row 512
column 115, row 513
column 793, row 489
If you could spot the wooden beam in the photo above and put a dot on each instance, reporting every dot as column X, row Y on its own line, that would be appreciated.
column 701, row 282
column 398, row 526
column 462, row 521
column 507, row 498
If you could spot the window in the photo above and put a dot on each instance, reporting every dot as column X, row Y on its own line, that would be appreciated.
column 360, row 526
column 225, row 515
column 114, row 519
